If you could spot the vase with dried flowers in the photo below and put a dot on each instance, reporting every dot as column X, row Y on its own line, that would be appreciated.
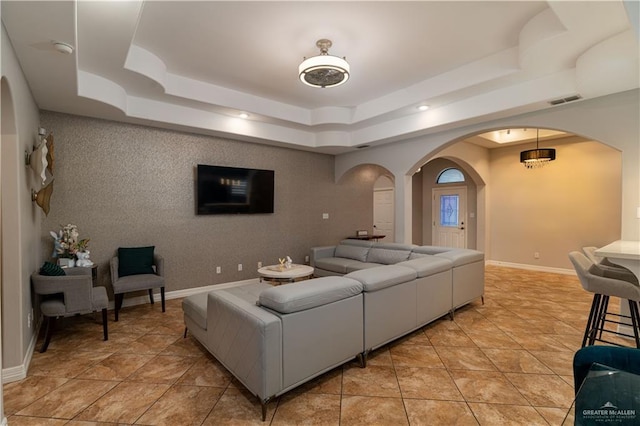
column 67, row 245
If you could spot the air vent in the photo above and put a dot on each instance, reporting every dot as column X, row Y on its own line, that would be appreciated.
column 565, row 100
column 362, row 146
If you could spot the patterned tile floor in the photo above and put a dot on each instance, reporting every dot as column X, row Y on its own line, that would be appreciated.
column 505, row 362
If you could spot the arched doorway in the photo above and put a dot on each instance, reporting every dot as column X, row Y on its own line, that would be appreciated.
column 383, row 208
column 433, row 193
column 533, row 217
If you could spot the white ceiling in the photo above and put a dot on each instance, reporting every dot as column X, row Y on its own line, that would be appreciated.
column 196, row 66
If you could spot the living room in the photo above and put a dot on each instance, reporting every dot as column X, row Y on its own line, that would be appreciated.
column 126, row 184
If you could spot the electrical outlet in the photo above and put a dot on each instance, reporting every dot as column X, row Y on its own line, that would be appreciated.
column 218, row 269
column 325, row 215
column 259, row 265
column 29, row 320
column 306, row 259
column 239, row 266
column 536, row 255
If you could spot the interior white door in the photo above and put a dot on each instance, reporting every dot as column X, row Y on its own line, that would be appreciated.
column 383, row 206
column 449, row 217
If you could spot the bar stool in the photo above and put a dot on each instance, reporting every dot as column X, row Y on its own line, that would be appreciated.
column 611, row 269
column 603, row 284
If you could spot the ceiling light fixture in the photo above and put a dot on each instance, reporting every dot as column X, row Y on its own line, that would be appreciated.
column 423, row 107
column 535, row 158
column 324, row 70
column 243, row 115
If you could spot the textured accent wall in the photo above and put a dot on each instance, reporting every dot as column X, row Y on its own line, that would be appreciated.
column 128, row 185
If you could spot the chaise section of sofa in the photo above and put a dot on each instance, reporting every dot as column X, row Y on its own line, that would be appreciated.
column 273, row 339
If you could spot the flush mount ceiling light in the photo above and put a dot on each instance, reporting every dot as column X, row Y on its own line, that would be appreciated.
column 539, row 157
column 324, row 70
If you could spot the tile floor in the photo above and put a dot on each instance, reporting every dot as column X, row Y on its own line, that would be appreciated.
column 505, row 362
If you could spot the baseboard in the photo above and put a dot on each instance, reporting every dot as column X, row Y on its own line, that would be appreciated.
column 531, row 267
column 177, row 294
column 19, row 372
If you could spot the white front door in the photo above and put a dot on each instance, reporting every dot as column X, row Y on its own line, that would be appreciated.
column 383, row 213
column 449, row 217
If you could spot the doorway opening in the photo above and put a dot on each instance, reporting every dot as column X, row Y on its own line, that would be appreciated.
column 383, row 208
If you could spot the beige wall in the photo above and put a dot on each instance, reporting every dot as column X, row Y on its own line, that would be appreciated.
column 573, row 202
column 129, row 185
column 20, row 218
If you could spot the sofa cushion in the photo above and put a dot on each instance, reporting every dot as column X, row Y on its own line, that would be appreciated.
column 340, row 265
column 352, row 252
column 431, row 249
column 427, row 265
column 387, row 256
column 461, row 257
column 356, row 266
column 373, row 279
column 195, row 307
column 304, row 295
column 415, row 255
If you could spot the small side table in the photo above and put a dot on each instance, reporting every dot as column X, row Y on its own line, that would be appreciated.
column 94, row 274
column 277, row 274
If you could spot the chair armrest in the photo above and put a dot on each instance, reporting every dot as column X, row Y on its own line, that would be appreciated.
column 158, row 260
column 76, row 289
column 113, row 265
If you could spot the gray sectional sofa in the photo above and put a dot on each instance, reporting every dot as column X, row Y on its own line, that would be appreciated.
column 467, row 266
column 273, row 339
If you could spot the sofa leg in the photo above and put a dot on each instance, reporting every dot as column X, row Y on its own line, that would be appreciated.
column 451, row 313
column 362, row 358
column 185, row 332
column 482, row 298
column 263, row 406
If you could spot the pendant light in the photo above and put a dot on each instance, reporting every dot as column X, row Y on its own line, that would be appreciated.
column 539, row 157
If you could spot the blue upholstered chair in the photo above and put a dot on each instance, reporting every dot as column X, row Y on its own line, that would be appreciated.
column 625, row 359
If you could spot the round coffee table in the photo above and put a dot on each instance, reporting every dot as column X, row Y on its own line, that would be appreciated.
column 279, row 274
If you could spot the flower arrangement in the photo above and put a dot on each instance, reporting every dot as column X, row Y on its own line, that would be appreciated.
column 67, row 244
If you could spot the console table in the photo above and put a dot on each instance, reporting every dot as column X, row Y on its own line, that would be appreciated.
column 374, row 237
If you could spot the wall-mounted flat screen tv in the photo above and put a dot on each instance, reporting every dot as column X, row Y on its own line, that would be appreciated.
column 234, row 190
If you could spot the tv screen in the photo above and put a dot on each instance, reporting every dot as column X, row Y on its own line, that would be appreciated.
column 234, row 190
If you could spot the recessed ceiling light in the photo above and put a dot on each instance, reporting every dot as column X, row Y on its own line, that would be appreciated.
column 423, row 107
column 243, row 115
column 62, row 47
